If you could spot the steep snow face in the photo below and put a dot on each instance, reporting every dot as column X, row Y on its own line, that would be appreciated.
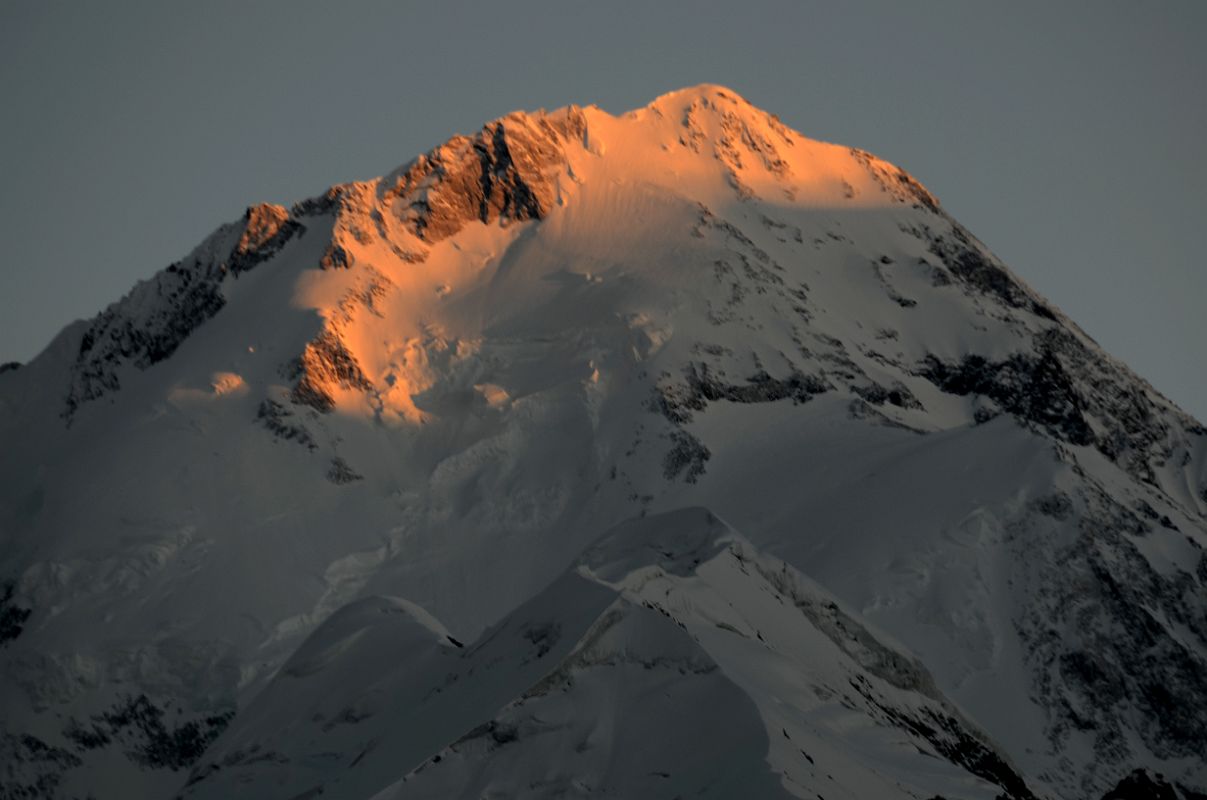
column 438, row 388
column 671, row 659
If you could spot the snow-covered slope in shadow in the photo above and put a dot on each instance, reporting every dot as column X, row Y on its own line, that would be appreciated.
column 673, row 659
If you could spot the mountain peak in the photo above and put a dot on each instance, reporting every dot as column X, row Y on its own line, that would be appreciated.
column 441, row 387
column 700, row 94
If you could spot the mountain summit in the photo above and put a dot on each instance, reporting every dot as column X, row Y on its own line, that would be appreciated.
column 669, row 453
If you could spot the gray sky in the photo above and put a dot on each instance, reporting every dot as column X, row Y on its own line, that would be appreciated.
column 1068, row 136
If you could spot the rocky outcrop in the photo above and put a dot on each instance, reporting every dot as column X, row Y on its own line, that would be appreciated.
column 12, row 615
column 677, row 401
column 1115, row 646
column 501, row 174
column 32, row 768
column 1035, row 389
column 266, row 229
column 1059, row 386
column 1139, row 784
column 326, row 364
column 896, row 182
column 154, row 319
column 145, row 734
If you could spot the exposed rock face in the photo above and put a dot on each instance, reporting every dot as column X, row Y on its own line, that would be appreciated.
column 266, row 229
column 1060, row 386
column 1037, row 390
column 283, row 424
column 1104, row 641
column 149, row 324
column 326, row 363
column 1140, row 785
column 897, row 183
column 12, row 616
column 139, row 726
column 501, row 174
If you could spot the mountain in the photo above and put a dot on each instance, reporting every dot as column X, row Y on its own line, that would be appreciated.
column 661, row 454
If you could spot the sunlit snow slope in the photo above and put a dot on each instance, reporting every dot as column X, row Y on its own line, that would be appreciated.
column 318, row 509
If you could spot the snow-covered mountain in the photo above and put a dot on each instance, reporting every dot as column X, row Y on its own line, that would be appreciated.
column 667, row 454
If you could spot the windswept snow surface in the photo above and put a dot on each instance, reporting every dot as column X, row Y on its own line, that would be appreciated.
column 318, row 508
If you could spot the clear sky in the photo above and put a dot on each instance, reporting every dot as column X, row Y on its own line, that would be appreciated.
column 1068, row 136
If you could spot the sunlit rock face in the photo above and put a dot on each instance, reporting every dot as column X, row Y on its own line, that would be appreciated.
column 592, row 455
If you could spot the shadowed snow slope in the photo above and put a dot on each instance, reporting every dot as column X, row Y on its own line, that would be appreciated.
column 672, row 660
column 319, row 505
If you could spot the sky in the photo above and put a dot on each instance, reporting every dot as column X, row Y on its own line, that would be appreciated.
column 1067, row 136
